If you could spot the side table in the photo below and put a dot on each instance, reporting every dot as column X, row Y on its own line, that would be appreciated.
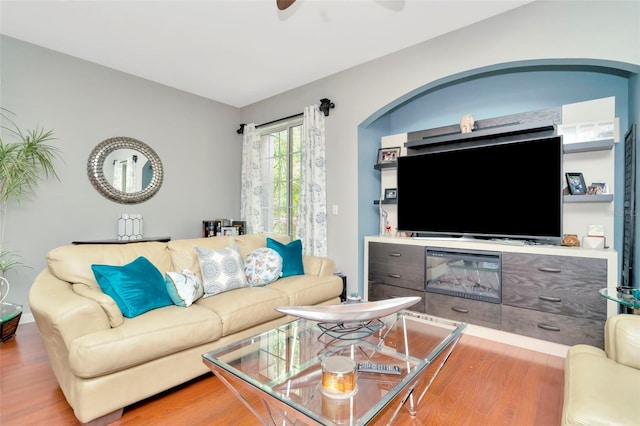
column 624, row 299
column 9, row 319
column 114, row 241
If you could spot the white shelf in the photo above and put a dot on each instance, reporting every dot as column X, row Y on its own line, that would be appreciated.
column 600, row 198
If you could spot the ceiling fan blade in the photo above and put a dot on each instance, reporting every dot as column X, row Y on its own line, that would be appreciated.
column 283, row 4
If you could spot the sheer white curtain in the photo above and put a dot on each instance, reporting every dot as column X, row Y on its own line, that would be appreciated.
column 132, row 175
column 312, row 207
column 251, row 190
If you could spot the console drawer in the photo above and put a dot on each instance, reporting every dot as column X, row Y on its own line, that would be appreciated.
column 397, row 265
column 563, row 285
column 466, row 310
column 383, row 292
column 552, row 327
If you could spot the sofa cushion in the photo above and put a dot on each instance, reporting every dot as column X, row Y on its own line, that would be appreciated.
column 184, row 287
column 106, row 302
column 155, row 334
column 184, row 256
column 304, row 290
column 137, row 287
column 245, row 307
column 72, row 263
column 291, row 254
column 262, row 266
column 222, row 269
column 249, row 242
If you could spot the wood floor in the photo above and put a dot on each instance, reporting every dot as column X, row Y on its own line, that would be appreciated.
column 483, row 383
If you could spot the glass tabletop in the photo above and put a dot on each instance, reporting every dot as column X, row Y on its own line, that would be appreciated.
column 285, row 364
column 625, row 299
column 9, row 311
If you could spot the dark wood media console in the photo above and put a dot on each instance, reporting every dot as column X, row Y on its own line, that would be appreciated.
column 548, row 292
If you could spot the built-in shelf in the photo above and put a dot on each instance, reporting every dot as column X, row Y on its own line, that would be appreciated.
column 601, row 145
column 381, row 166
column 600, row 198
column 377, row 202
column 496, row 132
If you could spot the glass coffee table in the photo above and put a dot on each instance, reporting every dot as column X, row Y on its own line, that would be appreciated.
column 278, row 374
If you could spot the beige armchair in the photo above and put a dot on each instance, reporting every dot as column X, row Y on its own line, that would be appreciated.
column 603, row 387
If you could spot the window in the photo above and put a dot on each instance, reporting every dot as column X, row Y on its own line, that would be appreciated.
column 281, row 159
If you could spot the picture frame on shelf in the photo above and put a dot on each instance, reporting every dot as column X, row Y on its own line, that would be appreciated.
column 388, row 155
column 229, row 231
column 576, row 184
column 390, row 194
column 597, row 188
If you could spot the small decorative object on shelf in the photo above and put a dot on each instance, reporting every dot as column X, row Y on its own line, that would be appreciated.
column 466, row 123
column 130, row 226
column 384, row 223
column 570, row 240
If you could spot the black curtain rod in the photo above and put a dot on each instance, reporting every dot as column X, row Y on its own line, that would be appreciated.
column 325, row 106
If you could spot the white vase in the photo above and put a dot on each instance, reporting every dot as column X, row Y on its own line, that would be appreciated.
column 4, row 288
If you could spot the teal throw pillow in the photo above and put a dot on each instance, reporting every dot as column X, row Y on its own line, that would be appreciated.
column 136, row 287
column 291, row 254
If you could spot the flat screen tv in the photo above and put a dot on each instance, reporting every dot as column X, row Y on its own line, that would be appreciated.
column 508, row 190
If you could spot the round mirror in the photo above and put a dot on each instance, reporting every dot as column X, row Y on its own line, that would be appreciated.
column 125, row 170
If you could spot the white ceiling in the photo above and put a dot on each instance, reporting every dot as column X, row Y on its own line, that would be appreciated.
column 236, row 51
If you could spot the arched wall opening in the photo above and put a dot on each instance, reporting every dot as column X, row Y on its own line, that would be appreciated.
column 494, row 91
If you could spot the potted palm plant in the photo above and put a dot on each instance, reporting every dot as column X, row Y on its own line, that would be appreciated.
column 24, row 162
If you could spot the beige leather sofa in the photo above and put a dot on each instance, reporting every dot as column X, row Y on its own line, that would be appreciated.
column 105, row 362
column 603, row 387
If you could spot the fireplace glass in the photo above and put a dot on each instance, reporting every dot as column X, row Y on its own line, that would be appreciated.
column 471, row 274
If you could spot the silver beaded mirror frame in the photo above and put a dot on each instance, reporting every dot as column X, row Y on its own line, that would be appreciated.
column 96, row 164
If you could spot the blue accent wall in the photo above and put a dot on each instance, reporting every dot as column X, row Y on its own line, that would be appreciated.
column 492, row 93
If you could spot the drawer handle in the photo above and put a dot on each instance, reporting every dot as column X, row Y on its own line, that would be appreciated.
column 395, row 275
column 461, row 310
column 554, row 270
column 395, row 254
column 548, row 327
column 550, row 299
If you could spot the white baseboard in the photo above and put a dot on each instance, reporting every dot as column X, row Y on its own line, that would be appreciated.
column 26, row 318
column 517, row 340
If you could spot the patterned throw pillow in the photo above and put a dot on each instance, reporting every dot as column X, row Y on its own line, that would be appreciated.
column 184, row 287
column 262, row 266
column 222, row 269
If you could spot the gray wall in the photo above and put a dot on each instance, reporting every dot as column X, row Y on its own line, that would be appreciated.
column 84, row 104
column 538, row 31
column 196, row 138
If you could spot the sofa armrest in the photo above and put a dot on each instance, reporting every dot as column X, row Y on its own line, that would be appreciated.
column 62, row 315
column 622, row 339
column 598, row 390
column 319, row 266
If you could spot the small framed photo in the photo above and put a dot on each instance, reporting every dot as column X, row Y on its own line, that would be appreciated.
column 576, row 183
column 229, row 230
column 597, row 188
column 388, row 155
column 390, row 194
